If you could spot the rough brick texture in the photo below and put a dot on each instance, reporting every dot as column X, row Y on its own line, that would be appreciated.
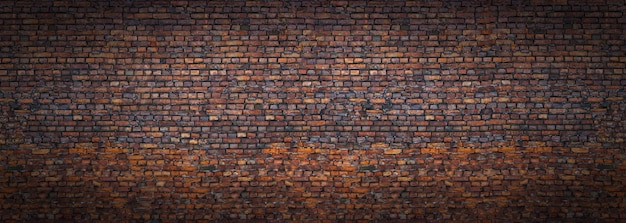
column 171, row 111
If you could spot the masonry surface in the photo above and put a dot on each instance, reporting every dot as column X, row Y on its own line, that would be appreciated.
column 428, row 111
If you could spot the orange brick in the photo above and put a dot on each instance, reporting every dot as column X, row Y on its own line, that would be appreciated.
column 392, row 151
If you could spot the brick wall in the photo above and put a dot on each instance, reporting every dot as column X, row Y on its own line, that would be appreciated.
column 166, row 111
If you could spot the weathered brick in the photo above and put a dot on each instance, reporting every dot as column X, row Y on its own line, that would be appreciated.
column 158, row 109
column 40, row 151
column 392, row 151
column 580, row 150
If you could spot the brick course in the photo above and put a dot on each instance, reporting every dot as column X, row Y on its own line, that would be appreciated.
column 170, row 111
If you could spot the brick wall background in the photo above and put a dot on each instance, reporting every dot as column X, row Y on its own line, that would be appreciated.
column 166, row 111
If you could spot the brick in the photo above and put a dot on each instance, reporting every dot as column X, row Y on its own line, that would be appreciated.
column 40, row 151
column 467, row 150
column 305, row 150
column 150, row 111
column 580, row 150
column 392, row 151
